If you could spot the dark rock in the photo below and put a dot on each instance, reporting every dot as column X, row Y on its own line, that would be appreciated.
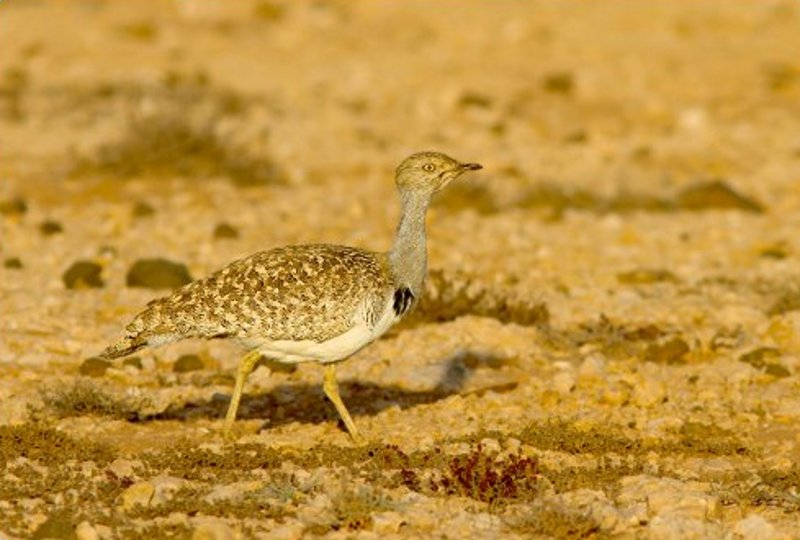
column 49, row 228
column 715, row 194
column 143, row 209
column 671, row 352
column 157, row 274
column 225, row 231
column 559, row 83
column 646, row 276
column 188, row 362
column 13, row 263
column 13, row 207
column 94, row 367
column 766, row 360
column 134, row 361
column 83, row 274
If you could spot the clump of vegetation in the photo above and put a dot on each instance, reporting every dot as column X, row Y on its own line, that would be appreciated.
column 165, row 145
column 48, row 446
column 788, row 300
column 693, row 438
column 554, row 519
column 478, row 475
column 193, row 500
column 614, row 340
column 762, row 487
column 353, row 507
column 561, row 435
column 179, row 137
column 452, row 295
column 86, row 398
column 187, row 461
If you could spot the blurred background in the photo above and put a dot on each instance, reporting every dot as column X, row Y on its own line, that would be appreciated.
column 601, row 95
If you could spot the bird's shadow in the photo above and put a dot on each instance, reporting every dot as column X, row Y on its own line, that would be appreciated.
column 306, row 403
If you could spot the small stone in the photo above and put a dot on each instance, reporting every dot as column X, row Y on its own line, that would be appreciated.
column 715, row 194
column 85, row 531
column 777, row 370
column 13, row 263
column 758, row 357
column 188, row 362
column 143, row 209
column 133, row 361
column 94, row 367
column 83, row 274
column 673, row 351
column 13, row 207
column 140, row 493
column 225, row 231
column 49, row 228
column 646, row 276
column 561, row 82
column 157, row 274
column 474, row 99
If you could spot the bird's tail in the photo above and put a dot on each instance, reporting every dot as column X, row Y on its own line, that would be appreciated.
column 123, row 347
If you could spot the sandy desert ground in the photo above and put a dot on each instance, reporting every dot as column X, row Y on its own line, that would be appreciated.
column 610, row 342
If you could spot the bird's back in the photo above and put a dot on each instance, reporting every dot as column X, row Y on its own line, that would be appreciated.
column 293, row 293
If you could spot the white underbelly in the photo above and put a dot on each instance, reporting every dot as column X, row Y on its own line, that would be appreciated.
column 332, row 350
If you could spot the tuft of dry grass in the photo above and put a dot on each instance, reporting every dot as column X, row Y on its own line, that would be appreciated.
column 178, row 136
column 86, row 398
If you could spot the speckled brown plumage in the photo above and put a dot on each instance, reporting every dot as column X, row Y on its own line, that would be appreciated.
column 289, row 293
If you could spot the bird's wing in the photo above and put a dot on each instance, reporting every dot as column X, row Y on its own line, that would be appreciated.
column 296, row 293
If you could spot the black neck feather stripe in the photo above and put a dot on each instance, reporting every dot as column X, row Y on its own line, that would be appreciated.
column 403, row 298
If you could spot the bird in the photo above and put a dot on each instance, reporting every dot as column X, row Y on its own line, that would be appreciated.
column 305, row 303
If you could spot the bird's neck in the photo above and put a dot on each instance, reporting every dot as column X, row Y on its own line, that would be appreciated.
column 408, row 258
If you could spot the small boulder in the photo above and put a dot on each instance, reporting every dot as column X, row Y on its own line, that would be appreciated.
column 157, row 274
column 50, row 227
column 82, row 275
column 13, row 263
column 94, row 367
column 225, row 231
column 188, row 362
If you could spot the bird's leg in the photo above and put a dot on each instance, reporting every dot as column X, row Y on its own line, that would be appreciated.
column 331, row 389
column 246, row 365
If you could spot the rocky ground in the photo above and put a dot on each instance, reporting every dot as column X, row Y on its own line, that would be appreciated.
column 610, row 344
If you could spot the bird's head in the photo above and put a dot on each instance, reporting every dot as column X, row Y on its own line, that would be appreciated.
column 429, row 172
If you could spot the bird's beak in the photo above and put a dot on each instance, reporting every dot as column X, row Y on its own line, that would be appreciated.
column 471, row 166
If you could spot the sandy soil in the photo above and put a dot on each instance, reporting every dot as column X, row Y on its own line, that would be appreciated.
column 610, row 346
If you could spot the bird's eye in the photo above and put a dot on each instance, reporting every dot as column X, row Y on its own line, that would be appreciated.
column 429, row 167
